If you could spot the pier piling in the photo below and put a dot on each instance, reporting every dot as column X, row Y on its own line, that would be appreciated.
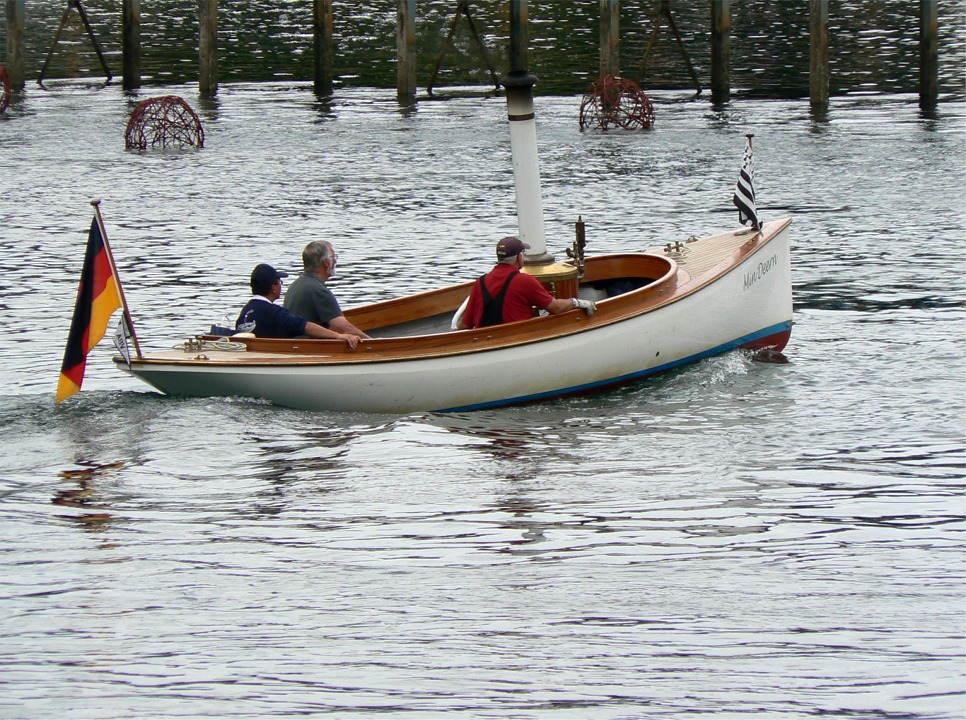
column 928, row 54
column 462, row 8
column 720, row 52
column 132, row 56
column 818, row 69
column 90, row 33
column 16, row 49
column 519, row 36
column 664, row 14
column 208, row 47
column 406, row 50
column 131, row 44
column 322, row 26
column 610, row 37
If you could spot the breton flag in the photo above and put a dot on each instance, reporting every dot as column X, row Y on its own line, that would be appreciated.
column 744, row 198
column 123, row 334
column 98, row 296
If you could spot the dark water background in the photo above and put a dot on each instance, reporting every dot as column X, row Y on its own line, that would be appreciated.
column 733, row 539
column 873, row 44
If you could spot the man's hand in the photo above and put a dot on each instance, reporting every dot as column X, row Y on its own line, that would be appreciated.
column 588, row 306
column 353, row 340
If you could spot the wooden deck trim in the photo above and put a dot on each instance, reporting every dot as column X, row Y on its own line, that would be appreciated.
column 491, row 338
column 696, row 270
column 400, row 310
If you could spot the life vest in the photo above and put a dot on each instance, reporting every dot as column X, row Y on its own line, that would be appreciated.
column 493, row 306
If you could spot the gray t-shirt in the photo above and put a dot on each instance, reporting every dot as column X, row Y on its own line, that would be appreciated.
column 308, row 297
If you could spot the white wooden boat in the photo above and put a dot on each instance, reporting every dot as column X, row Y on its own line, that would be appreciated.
column 692, row 300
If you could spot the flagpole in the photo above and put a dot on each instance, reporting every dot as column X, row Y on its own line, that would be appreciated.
column 117, row 278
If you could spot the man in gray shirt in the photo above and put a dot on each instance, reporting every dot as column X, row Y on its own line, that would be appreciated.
column 308, row 297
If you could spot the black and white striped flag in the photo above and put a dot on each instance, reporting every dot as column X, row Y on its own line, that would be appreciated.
column 122, row 337
column 744, row 198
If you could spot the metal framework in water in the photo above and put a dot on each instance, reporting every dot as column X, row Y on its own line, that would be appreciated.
column 613, row 101
column 166, row 121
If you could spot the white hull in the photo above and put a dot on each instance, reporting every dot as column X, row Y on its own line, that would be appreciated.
column 744, row 305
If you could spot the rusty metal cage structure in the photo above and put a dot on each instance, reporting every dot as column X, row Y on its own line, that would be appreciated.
column 165, row 122
column 613, row 101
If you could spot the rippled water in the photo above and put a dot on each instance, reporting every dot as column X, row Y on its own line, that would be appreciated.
column 733, row 538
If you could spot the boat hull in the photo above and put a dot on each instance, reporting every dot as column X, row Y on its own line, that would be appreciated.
column 702, row 306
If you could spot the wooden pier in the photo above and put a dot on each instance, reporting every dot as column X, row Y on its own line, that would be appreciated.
column 406, row 46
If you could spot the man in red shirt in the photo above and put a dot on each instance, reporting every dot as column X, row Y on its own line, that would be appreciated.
column 507, row 295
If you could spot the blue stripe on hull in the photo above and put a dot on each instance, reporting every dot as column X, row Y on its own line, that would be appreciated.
column 623, row 379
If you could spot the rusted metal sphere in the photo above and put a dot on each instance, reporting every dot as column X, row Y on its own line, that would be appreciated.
column 165, row 121
column 613, row 101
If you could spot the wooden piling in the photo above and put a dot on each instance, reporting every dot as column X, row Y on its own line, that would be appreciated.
column 208, row 47
column 519, row 36
column 53, row 45
column 322, row 34
column 610, row 38
column 131, row 44
column 720, row 52
column 664, row 13
column 16, row 48
column 818, row 69
column 928, row 54
column 90, row 33
column 462, row 8
column 406, row 50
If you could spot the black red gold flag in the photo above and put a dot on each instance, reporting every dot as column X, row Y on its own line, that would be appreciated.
column 97, row 298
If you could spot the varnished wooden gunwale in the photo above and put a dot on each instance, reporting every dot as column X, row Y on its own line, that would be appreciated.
column 404, row 309
column 490, row 338
column 682, row 276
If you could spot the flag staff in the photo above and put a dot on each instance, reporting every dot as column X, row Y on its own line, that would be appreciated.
column 756, row 223
column 117, row 278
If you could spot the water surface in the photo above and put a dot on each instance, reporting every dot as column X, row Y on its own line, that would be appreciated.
column 733, row 539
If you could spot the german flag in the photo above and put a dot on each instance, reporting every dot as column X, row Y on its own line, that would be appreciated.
column 97, row 298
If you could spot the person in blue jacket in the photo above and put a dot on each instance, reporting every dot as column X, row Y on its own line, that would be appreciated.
column 262, row 317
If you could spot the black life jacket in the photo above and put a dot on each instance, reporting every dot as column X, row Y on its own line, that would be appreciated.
column 493, row 306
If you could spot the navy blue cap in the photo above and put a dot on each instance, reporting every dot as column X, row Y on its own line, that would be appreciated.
column 264, row 276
